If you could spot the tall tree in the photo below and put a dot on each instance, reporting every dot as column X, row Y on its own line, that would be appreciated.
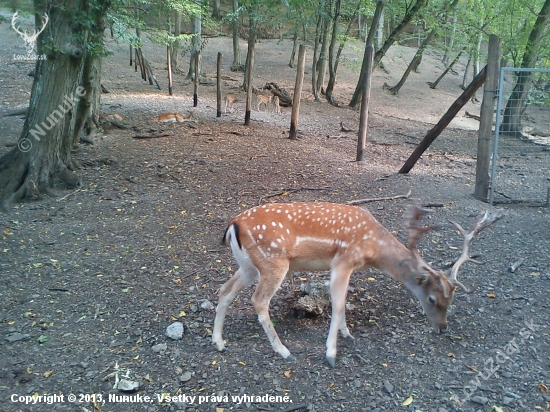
column 511, row 122
column 42, row 161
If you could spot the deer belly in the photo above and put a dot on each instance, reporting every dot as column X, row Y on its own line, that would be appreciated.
column 311, row 265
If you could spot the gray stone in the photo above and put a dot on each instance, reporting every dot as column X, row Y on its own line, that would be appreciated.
column 126, row 385
column 175, row 331
column 482, row 400
column 17, row 337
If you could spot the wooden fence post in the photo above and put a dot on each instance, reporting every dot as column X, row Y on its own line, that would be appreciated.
column 297, row 92
column 219, row 86
column 196, row 85
column 365, row 99
column 486, row 120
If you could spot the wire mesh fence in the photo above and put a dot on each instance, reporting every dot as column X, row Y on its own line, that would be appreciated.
column 520, row 171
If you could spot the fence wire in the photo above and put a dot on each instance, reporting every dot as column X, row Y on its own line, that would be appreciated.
column 520, row 171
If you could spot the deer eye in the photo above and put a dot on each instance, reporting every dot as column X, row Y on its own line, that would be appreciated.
column 431, row 299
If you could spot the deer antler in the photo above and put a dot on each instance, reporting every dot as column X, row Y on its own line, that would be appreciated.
column 13, row 19
column 412, row 217
column 486, row 220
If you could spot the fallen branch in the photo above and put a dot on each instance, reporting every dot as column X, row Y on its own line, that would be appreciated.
column 70, row 194
column 153, row 136
column 472, row 116
column 379, row 199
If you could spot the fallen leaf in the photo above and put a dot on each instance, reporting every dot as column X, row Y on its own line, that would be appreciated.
column 288, row 373
column 371, row 279
column 472, row 369
column 182, row 314
column 214, row 362
column 177, row 281
column 408, row 401
column 47, row 374
column 451, row 355
column 218, row 409
column 242, row 363
column 331, row 385
column 543, row 387
column 491, row 295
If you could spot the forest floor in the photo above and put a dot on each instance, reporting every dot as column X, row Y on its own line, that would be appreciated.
column 90, row 280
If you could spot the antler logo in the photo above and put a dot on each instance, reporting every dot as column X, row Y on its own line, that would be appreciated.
column 30, row 39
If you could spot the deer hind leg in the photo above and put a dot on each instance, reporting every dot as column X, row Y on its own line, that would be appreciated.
column 229, row 290
column 339, row 281
column 270, row 280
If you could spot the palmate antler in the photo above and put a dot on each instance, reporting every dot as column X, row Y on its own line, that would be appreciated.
column 485, row 221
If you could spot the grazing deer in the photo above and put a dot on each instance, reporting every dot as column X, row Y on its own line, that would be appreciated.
column 263, row 99
column 276, row 105
column 269, row 240
column 172, row 117
column 230, row 100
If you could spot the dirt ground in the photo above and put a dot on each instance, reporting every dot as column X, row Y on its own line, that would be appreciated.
column 91, row 280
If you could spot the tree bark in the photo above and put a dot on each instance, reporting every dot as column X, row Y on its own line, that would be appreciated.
column 331, row 59
column 323, row 54
column 42, row 161
column 414, row 63
column 511, row 121
column 216, row 10
column 175, row 47
column 237, row 65
column 252, row 26
column 196, row 44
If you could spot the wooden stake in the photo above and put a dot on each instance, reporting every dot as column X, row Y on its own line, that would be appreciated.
column 196, row 85
column 169, row 62
column 219, row 86
column 444, row 121
column 364, row 117
column 249, row 90
column 486, row 120
column 297, row 92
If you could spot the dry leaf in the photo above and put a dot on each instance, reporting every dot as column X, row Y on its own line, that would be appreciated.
column 491, row 295
column 543, row 387
column 47, row 374
column 451, row 355
column 408, row 401
column 177, row 281
column 331, row 385
column 287, row 373
column 371, row 279
column 218, row 409
column 242, row 363
column 472, row 369
column 182, row 314
column 214, row 362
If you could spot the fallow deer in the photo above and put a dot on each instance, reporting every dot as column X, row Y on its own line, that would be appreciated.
column 172, row 117
column 269, row 240
column 230, row 100
column 263, row 99
column 276, row 105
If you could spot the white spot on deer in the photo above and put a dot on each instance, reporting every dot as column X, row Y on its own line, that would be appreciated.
column 273, row 245
column 264, row 227
column 279, row 210
column 288, row 231
column 281, row 225
column 273, row 224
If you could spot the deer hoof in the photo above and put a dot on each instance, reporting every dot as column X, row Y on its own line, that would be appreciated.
column 290, row 358
column 331, row 361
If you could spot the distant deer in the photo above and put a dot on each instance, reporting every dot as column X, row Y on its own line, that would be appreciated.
column 269, row 240
column 30, row 39
column 172, row 117
column 263, row 99
column 276, row 106
column 230, row 100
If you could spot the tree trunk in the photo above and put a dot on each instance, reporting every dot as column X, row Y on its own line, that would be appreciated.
column 414, row 63
column 323, row 54
column 237, row 65
column 331, row 62
column 175, row 47
column 449, row 44
column 447, row 70
column 467, row 69
column 380, row 30
column 294, row 46
column 378, row 13
column 216, row 10
column 316, row 56
column 42, row 160
column 252, row 23
column 387, row 44
column 196, row 44
column 511, row 121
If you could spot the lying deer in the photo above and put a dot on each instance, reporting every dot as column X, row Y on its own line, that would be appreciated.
column 269, row 240
column 172, row 117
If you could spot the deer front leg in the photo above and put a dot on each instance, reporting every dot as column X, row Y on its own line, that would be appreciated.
column 267, row 286
column 228, row 292
column 339, row 280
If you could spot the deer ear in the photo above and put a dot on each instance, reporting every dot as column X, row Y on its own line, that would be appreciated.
column 420, row 279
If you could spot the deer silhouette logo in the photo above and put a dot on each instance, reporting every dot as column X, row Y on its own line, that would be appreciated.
column 30, row 39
